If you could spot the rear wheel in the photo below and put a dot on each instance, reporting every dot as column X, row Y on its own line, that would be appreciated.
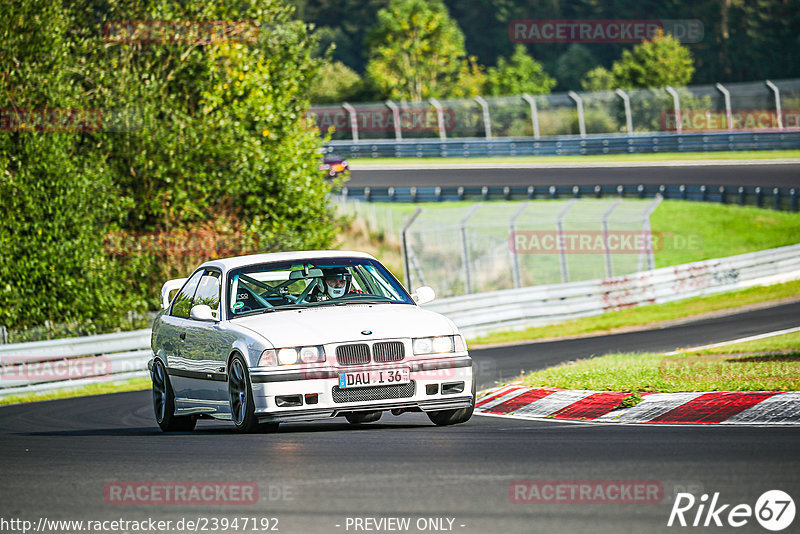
column 359, row 418
column 240, row 393
column 164, row 403
column 454, row 417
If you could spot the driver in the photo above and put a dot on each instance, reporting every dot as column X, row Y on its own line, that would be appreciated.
column 336, row 283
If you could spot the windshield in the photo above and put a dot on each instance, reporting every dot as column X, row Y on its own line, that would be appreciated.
column 310, row 283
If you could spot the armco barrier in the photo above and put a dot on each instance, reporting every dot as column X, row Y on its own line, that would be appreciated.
column 72, row 362
column 779, row 198
column 542, row 305
column 569, row 145
column 45, row 365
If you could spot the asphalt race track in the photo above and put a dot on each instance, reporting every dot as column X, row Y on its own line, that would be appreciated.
column 58, row 456
column 733, row 174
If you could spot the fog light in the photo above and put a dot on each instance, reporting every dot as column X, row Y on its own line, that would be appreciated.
column 432, row 389
column 312, row 398
column 287, row 401
column 452, row 387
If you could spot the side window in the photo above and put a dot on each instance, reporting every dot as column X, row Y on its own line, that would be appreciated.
column 183, row 302
column 208, row 292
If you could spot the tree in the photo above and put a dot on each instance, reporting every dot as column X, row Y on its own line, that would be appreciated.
column 572, row 66
column 598, row 79
column 335, row 82
column 658, row 62
column 519, row 74
column 416, row 51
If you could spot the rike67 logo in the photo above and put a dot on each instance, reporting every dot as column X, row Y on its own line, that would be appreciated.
column 774, row 510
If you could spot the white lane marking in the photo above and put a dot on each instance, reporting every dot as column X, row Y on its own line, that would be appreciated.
column 576, row 165
column 782, row 409
column 651, row 407
column 553, row 402
column 733, row 341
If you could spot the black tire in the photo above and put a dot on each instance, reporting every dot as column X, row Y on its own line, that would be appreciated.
column 454, row 417
column 164, row 403
column 359, row 418
column 240, row 395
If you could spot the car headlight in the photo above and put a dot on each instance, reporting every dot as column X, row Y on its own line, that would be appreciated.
column 291, row 355
column 438, row 345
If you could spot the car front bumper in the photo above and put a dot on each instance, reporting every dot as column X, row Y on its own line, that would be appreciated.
column 321, row 384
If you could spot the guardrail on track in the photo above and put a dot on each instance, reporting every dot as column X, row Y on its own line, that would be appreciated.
column 780, row 198
column 547, row 304
column 72, row 362
column 568, row 145
column 66, row 363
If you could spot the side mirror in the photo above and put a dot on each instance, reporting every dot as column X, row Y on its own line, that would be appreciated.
column 202, row 312
column 423, row 295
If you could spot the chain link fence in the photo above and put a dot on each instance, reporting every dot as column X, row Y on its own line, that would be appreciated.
column 765, row 105
column 471, row 248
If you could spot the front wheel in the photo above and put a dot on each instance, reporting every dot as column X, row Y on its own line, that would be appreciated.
column 164, row 403
column 454, row 417
column 240, row 393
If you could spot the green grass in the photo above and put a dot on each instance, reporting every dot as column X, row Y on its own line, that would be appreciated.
column 134, row 384
column 772, row 364
column 647, row 315
column 668, row 156
column 694, row 231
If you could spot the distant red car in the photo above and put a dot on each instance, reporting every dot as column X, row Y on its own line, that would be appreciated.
column 334, row 165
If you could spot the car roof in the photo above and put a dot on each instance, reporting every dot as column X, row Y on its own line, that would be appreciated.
column 227, row 264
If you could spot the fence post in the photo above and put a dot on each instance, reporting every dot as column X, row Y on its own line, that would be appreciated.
column 487, row 123
column 465, row 249
column 649, row 252
column 439, row 117
column 604, row 226
column 777, row 93
column 534, row 113
column 405, row 248
column 353, row 120
column 579, row 103
column 560, row 228
column 676, row 102
column 3, row 335
column 626, row 101
column 728, row 112
column 512, row 227
column 398, row 128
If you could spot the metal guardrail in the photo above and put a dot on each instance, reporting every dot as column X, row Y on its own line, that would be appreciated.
column 547, row 304
column 779, row 198
column 568, row 145
column 72, row 362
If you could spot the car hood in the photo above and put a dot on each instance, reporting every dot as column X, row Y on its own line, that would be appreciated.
column 336, row 324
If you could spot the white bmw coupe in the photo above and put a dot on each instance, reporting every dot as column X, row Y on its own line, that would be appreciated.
column 303, row 336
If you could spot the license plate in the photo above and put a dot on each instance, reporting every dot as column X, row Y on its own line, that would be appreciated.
column 380, row 377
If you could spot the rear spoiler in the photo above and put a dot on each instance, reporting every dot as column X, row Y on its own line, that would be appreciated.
column 168, row 286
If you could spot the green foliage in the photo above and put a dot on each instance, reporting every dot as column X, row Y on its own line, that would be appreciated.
column 658, row 62
column 193, row 136
column 335, row 82
column 598, row 79
column 417, row 51
column 572, row 66
column 517, row 75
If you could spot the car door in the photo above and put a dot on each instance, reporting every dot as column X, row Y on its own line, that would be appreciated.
column 205, row 350
column 172, row 335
